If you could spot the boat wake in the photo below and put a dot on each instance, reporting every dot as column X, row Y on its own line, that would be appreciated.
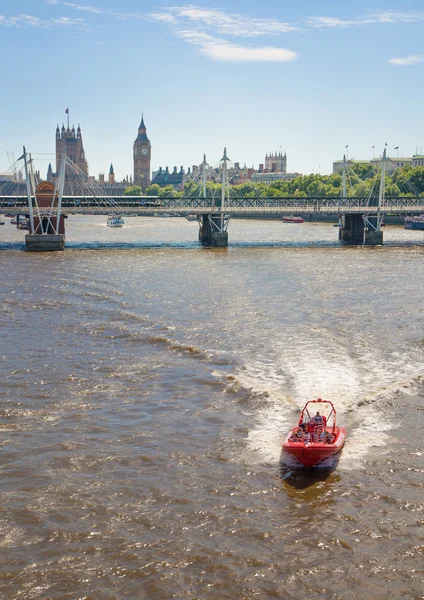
column 360, row 396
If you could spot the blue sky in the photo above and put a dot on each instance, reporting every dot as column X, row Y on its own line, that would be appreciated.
column 309, row 77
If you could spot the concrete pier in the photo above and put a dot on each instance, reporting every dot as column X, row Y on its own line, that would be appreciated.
column 372, row 236
column 352, row 231
column 45, row 243
column 210, row 233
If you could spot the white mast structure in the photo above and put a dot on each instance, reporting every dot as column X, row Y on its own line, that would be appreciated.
column 224, row 190
column 44, row 214
column 344, row 186
column 381, row 195
column 28, row 186
column 204, row 165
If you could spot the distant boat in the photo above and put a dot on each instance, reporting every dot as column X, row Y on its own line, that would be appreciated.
column 115, row 221
column 191, row 217
column 23, row 224
column 292, row 219
column 2, row 222
column 414, row 222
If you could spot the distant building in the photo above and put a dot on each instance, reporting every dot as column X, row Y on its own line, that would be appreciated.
column 418, row 160
column 276, row 162
column 70, row 142
column 392, row 163
column 142, row 157
column 267, row 178
column 164, row 177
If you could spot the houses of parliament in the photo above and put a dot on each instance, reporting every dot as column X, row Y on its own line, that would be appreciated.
column 70, row 141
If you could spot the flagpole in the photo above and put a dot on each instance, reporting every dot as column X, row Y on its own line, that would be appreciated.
column 67, row 111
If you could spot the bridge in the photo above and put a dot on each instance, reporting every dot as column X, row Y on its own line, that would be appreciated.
column 278, row 206
column 45, row 204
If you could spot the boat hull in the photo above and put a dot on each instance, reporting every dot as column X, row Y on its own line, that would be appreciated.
column 414, row 224
column 293, row 220
column 311, row 454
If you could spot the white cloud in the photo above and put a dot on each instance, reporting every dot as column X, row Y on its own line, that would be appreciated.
column 224, row 23
column 370, row 19
column 221, row 50
column 23, row 21
column 37, row 23
column 407, row 60
column 91, row 9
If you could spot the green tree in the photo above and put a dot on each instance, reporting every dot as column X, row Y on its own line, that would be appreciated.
column 153, row 190
column 133, row 190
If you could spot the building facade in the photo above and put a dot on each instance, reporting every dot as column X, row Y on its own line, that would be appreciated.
column 142, row 157
column 70, row 141
column 267, row 178
column 276, row 162
column 392, row 163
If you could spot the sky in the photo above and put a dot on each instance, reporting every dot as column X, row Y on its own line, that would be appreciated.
column 308, row 78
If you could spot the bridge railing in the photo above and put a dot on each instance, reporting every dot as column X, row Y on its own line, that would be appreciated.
column 295, row 204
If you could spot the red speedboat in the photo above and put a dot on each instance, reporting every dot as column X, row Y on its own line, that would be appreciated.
column 316, row 437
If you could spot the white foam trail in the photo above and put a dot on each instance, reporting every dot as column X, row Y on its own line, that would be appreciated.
column 329, row 372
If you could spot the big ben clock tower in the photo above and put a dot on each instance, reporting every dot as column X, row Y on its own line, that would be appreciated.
column 142, row 155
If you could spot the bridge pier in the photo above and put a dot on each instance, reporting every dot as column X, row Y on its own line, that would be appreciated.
column 47, row 227
column 373, row 236
column 352, row 229
column 358, row 229
column 45, row 243
column 213, row 230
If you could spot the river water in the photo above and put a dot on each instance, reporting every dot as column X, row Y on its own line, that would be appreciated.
column 147, row 385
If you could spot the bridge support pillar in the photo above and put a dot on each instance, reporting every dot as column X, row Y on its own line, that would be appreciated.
column 47, row 226
column 213, row 231
column 352, row 229
column 373, row 236
column 45, row 243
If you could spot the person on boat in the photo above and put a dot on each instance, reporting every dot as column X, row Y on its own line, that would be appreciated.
column 318, row 419
column 297, row 435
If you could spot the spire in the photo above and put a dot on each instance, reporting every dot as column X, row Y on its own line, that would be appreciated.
column 142, row 136
column 111, row 171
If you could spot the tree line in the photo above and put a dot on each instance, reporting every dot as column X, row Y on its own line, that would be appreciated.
column 362, row 181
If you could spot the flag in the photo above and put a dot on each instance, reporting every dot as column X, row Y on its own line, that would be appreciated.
column 373, row 146
column 347, row 146
column 67, row 111
column 396, row 147
column 385, row 143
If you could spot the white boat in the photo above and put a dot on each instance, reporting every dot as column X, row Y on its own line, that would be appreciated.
column 115, row 221
column 191, row 217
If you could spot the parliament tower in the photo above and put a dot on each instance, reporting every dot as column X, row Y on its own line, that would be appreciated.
column 142, row 156
column 69, row 141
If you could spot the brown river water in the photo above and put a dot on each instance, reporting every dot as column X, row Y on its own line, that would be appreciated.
column 147, row 385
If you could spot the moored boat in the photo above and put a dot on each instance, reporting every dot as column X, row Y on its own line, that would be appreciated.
column 23, row 223
column 414, row 222
column 292, row 219
column 316, row 437
column 115, row 221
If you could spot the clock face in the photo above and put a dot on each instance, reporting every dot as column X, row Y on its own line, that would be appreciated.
column 144, row 151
